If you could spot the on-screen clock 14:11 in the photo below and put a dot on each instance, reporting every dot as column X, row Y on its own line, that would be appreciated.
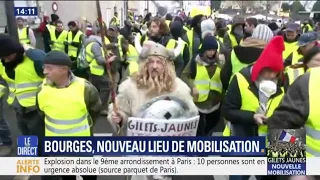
column 26, row 11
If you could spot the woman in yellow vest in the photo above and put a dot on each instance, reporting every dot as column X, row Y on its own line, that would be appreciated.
column 253, row 93
column 81, row 105
column 202, row 75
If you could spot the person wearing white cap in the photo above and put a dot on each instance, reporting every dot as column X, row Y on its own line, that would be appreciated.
column 156, row 77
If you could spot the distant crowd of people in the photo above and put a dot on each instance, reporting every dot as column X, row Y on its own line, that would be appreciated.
column 286, row 150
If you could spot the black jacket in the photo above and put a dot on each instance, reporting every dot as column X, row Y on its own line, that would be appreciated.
column 242, row 121
column 293, row 110
column 247, row 55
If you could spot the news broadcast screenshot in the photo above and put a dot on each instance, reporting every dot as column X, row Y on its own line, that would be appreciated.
column 159, row 90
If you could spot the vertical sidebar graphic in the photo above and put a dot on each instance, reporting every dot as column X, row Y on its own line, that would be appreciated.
column 286, row 152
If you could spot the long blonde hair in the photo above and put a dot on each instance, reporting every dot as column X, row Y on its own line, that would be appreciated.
column 160, row 84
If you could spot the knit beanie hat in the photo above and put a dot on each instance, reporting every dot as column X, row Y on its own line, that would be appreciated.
column 207, row 26
column 262, row 32
column 273, row 26
column 209, row 43
column 271, row 57
column 9, row 45
column 57, row 58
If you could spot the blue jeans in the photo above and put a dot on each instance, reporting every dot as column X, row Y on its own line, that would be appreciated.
column 5, row 135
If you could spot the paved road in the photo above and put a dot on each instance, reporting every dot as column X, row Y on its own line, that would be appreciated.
column 102, row 128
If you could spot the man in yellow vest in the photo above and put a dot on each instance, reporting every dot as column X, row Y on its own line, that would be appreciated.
column 246, row 53
column 49, row 29
column 169, row 19
column 81, row 105
column 176, row 30
column 307, row 26
column 58, row 37
column 74, row 43
column 306, row 42
column 253, row 94
column 23, row 75
column 202, row 75
column 96, row 59
column 235, row 35
column 26, row 35
column 194, row 35
column 5, row 135
column 308, row 48
column 115, row 21
column 291, row 39
column 299, row 109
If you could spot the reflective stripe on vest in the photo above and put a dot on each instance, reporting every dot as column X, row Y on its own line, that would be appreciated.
column 293, row 74
column 24, row 36
column 70, row 118
column 73, row 51
column 236, row 64
column 249, row 102
column 95, row 68
column 2, row 90
column 120, row 46
column 312, row 125
column 58, row 43
column 132, row 59
column 204, row 84
column 25, row 85
column 289, row 48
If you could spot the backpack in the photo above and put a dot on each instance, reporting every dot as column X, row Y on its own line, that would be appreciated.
column 82, row 62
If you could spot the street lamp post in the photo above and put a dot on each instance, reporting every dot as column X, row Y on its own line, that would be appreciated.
column 11, row 20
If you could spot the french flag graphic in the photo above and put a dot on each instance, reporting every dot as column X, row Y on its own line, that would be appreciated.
column 285, row 136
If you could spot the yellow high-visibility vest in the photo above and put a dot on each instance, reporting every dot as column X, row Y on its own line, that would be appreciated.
column 294, row 73
column 295, row 57
column 237, row 65
column 312, row 125
column 73, row 51
column 304, row 30
column 2, row 88
column 58, row 42
column 132, row 59
column 70, row 118
column 233, row 40
column 190, row 39
column 24, row 36
column 95, row 68
column 51, row 28
column 119, row 45
column 229, row 28
column 205, row 84
column 289, row 48
column 249, row 102
column 25, row 85
column 219, row 38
